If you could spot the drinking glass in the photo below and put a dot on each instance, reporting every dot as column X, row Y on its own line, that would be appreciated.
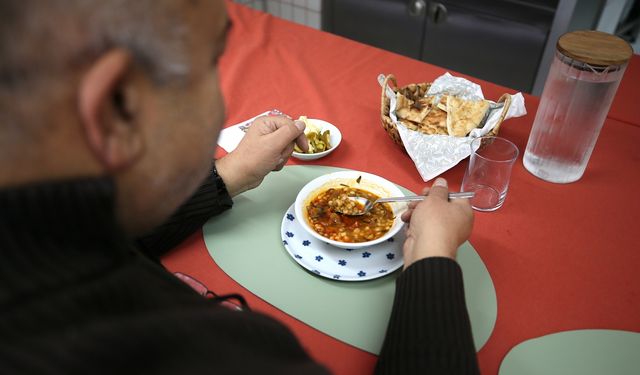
column 489, row 171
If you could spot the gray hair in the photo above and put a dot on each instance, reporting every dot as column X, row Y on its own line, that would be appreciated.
column 43, row 42
column 41, row 38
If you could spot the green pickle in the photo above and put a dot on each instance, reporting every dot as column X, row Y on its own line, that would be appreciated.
column 318, row 142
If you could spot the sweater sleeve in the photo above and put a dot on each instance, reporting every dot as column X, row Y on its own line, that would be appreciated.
column 209, row 200
column 429, row 331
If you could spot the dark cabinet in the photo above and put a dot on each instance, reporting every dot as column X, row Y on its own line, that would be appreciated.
column 501, row 41
column 381, row 23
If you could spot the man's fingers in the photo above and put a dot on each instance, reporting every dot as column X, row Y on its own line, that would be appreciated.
column 291, row 134
column 286, row 153
column 284, row 157
column 279, row 167
column 407, row 232
column 264, row 125
column 406, row 216
column 465, row 204
column 439, row 189
column 286, row 134
column 301, row 141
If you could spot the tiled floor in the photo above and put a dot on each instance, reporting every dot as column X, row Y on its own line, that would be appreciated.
column 307, row 12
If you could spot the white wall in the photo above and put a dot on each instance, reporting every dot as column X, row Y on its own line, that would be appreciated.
column 612, row 14
column 306, row 12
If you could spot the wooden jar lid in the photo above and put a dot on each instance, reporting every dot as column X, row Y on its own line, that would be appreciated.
column 595, row 48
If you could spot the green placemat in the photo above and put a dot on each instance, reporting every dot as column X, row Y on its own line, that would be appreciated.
column 584, row 352
column 246, row 243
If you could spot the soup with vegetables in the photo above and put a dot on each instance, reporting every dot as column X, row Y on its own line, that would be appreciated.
column 325, row 216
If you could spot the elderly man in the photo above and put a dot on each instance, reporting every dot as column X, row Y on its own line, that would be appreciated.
column 109, row 111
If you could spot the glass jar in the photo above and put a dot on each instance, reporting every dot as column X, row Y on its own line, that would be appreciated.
column 583, row 79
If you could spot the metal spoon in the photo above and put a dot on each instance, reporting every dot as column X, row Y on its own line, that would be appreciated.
column 492, row 107
column 368, row 205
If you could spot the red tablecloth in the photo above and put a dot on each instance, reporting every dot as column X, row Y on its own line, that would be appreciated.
column 625, row 105
column 561, row 257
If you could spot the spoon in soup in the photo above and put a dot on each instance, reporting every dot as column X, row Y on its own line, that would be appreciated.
column 364, row 205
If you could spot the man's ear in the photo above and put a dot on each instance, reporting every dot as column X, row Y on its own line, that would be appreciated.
column 108, row 105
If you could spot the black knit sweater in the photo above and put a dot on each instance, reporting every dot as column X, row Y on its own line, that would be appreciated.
column 76, row 297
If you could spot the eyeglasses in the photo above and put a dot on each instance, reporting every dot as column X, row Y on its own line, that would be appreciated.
column 231, row 301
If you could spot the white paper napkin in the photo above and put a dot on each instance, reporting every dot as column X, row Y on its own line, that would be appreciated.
column 231, row 136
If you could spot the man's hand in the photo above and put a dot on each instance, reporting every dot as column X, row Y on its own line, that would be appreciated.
column 266, row 147
column 437, row 226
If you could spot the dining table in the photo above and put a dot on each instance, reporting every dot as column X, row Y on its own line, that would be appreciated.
column 561, row 257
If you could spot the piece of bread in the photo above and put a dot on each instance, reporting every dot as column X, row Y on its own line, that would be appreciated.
column 464, row 115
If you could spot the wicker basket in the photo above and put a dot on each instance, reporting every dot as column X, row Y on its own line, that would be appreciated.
column 418, row 90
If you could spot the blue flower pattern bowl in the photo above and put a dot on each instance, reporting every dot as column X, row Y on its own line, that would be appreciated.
column 336, row 263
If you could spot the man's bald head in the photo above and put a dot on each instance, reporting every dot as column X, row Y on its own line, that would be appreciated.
column 44, row 42
column 40, row 38
column 120, row 88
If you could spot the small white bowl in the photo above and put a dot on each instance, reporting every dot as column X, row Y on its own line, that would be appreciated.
column 334, row 135
column 370, row 182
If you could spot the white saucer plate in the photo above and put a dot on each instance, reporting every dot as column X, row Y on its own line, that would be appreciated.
column 335, row 263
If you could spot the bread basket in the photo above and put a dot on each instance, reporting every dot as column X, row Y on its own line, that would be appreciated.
column 419, row 90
